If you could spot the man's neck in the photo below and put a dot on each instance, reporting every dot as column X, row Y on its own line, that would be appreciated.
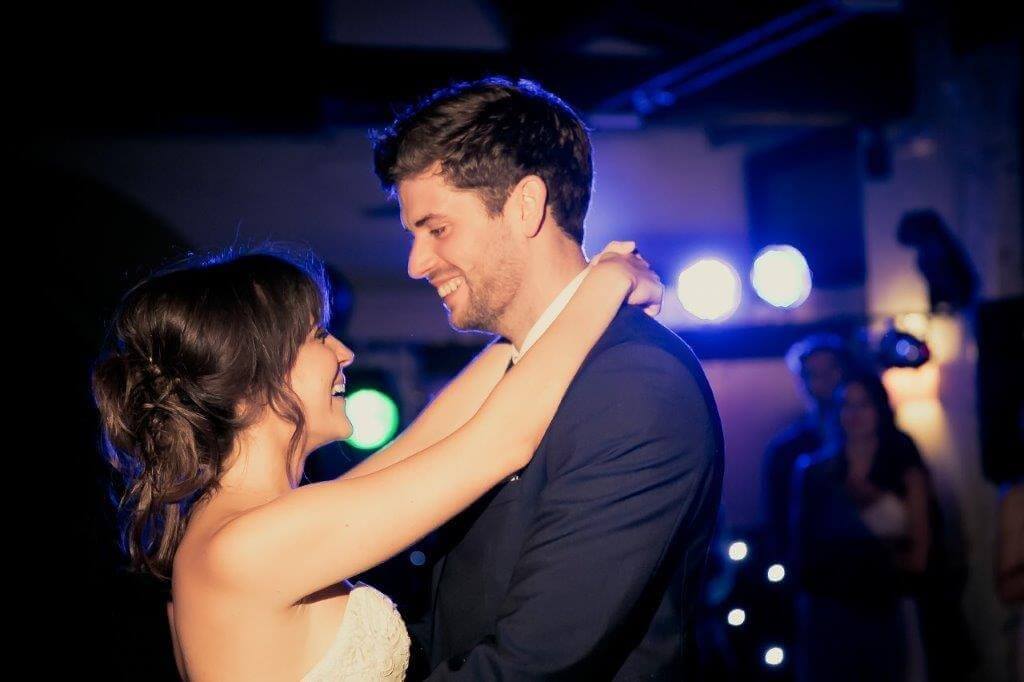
column 540, row 287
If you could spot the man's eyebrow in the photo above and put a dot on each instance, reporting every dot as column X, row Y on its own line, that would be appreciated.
column 426, row 219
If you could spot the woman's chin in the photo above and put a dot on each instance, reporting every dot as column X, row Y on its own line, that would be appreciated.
column 344, row 431
column 335, row 435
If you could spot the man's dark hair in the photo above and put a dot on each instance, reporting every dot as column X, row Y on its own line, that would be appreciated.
column 488, row 135
column 816, row 343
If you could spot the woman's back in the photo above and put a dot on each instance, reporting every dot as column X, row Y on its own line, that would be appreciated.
column 223, row 631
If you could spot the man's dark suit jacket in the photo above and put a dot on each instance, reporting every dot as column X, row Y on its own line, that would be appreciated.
column 587, row 566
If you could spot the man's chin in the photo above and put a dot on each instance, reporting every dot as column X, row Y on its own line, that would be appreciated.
column 462, row 322
column 459, row 324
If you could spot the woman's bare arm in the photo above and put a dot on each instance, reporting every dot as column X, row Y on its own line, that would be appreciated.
column 320, row 534
column 452, row 408
column 914, row 558
column 1010, row 546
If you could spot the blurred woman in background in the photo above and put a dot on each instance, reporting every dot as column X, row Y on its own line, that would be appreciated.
column 877, row 599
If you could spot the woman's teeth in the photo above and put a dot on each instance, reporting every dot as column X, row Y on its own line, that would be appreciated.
column 449, row 287
column 338, row 390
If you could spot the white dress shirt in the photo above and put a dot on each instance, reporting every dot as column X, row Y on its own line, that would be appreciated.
column 548, row 317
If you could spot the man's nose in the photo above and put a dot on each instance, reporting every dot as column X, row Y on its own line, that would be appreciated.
column 421, row 260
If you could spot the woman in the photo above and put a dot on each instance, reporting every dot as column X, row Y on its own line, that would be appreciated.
column 865, row 526
column 222, row 379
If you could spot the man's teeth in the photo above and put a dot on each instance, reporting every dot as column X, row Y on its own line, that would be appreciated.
column 449, row 287
column 338, row 389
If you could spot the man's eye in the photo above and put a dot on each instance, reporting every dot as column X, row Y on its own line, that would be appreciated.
column 438, row 231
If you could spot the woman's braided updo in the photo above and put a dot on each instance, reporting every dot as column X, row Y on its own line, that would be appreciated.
column 196, row 353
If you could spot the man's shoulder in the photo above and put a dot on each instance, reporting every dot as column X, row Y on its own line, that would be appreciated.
column 641, row 381
column 798, row 438
column 639, row 361
column 633, row 331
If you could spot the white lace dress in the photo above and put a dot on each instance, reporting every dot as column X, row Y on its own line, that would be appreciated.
column 372, row 643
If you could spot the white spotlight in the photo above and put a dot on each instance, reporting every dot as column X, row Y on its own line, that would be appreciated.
column 738, row 550
column 709, row 289
column 776, row 572
column 781, row 277
column 736, row 617
column 774, row 656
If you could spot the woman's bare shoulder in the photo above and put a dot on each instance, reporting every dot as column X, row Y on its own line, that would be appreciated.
column 193, row 557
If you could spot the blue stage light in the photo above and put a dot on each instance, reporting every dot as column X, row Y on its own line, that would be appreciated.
column 709, row 289
column 780, row 276
column 899, row 349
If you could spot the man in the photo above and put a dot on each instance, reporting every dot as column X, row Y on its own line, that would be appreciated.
column 586, row 565
column 819, row 363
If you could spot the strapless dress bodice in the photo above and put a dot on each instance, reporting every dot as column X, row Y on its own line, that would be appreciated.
column 372, row 643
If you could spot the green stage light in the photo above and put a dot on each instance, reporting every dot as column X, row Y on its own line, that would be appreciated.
column 374, row 417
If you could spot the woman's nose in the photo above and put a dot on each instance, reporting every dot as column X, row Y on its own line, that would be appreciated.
column 345, row 355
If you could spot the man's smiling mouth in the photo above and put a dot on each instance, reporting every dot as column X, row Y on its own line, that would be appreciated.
column 450, row 287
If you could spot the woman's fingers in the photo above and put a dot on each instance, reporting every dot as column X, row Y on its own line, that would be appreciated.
column 617, row 247
column 648, row 290
column 625, row 248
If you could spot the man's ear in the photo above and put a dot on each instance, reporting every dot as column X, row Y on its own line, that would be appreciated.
column 530, row 205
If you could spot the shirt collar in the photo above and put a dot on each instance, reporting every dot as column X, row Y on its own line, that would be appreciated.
column 548, row 317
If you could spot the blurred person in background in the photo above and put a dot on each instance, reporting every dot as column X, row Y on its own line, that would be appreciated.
column 1010, row 561
column 818, row 363
column 878, row 600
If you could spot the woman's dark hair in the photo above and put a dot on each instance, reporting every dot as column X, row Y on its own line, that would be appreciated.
column 879, row 397
column 196, row 352
column 488, row 135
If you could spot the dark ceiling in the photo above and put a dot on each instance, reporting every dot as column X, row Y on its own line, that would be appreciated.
column 300, row 66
